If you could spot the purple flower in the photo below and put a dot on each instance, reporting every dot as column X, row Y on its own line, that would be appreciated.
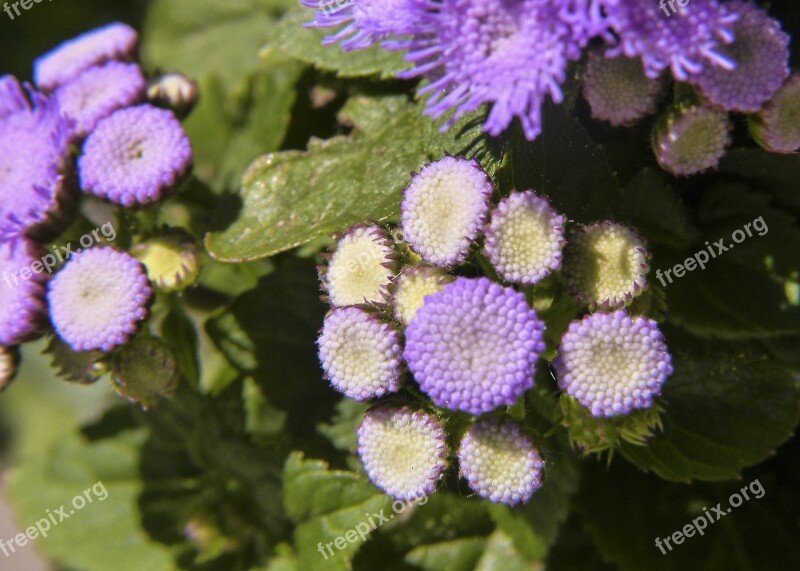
column 403, row 451
column 510, row 53
column 499, row 462
column 112, row 42
column 99, row 91
column 366, row 21
column 689, row 140
column 613, row 363
column 445, row 208
column 685, row 41
column 361, row 355
column 524, row 238
column 35, row 161
column 474, row 345
column 777, row 126
column 135, row 156
column 98, row 299
column 13, row 96
column 761, row 53
column 22, row 309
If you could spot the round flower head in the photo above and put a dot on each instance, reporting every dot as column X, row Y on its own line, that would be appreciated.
column 171, row 259
column 474, row 345
column 35, row 162
column 360, row 354
column 360, row 268
column 617, row 88
column 692, row 139
column 761, row 53
column 613, row 363
column 412, row 286
column 524, row 238
column 499, row 461
column 8, row 366
column 605, row 265
column 403, row 451
column 98, row 299
column 174, row 91
column 135, row 156
column 22, row 309
column 510, row 53
column 444, row 209
column 112, row 42
column 365, row 20
column 777, row 126
column 98, row 92
column 686, row 41
column 13, row 97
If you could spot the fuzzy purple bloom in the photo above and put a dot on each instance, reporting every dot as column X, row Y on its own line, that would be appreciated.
column 761, row 53
column 474, row 345
column 13, row 96
column 98, row 92
column 35, row 161
column 404, row 451
column 22, row 309
column 98, row 299
column 499, row 462
column 135, row 156
column 613, row 363
column 510, row 53
column 112, row 42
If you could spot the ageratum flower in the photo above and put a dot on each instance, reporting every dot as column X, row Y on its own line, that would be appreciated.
column 135, row 156
column 361, row 355
column 98, row 299
column 617, row 89
column 613, row 363
column 686, row 42
column 360, row 267
column 366, row 21
column 474, row 345
column 509, row 53
column 410, row 288
column 98, row 92
column 112, row 42
column 13, row 97
column 761, row 53
column 605, row 265
column 35, row 162
column 524, row 238
column 22, row 289
column 403, row 451
column 444, row 209
column 777, row 126
column 171, row 259
column 499, row 462
column 688, row 140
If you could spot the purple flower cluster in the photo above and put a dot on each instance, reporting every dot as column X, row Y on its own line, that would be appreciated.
column 513, row 54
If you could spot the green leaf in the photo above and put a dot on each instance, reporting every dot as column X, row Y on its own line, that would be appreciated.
column 456, row 555
column 179, row 333
column 292, row 197
column 727, row 407
column 341, row 431
column 292, row 39
column 502, row 555
column 775, row 173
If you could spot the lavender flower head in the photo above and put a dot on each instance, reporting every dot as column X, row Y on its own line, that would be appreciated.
column 761, row 53
column 690, row 140
column 777, row 126
column 474, row 345
column 403, row 451
column 524, row 238
column 510, row 53
column 112, row 42
column 613, row 363
column 99, row 91
column 686, row 42
column 35, row 160
column 135, row 156
column 499, row 462
column 410, row 288
column 361, row 355
column 98, row 299
column 22, row 309
column 444, row 209
column 13, row 96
